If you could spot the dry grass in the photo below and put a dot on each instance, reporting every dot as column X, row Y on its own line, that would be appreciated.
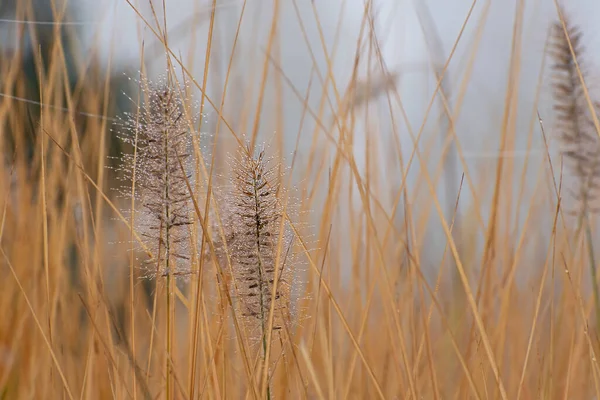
column 376, row 318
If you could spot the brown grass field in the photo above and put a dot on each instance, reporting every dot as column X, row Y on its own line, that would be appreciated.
column 499, row 302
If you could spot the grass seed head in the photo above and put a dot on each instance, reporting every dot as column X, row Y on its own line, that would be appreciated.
column 574, row 121
column 159, row 167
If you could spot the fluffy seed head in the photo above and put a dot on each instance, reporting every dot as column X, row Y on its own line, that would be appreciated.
column 159, row 168
column 574, row 122
column 256, row 217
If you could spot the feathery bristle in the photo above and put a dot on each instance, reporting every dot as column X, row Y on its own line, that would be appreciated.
column 164, row 211
column 574, row 123
column 256, row 217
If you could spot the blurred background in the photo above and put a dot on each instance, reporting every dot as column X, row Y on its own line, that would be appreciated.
column 415, row 39
column 320, row 52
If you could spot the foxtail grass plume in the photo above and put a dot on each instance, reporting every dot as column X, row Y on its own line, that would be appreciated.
column 161, row 134
column 574, row 122
column 255, row 217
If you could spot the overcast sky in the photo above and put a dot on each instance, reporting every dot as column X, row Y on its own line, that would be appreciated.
column 398, row 30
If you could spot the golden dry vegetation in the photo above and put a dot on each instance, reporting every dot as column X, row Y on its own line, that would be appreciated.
column 374, row 317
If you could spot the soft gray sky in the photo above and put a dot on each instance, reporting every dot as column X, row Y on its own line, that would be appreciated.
column 399, row 33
